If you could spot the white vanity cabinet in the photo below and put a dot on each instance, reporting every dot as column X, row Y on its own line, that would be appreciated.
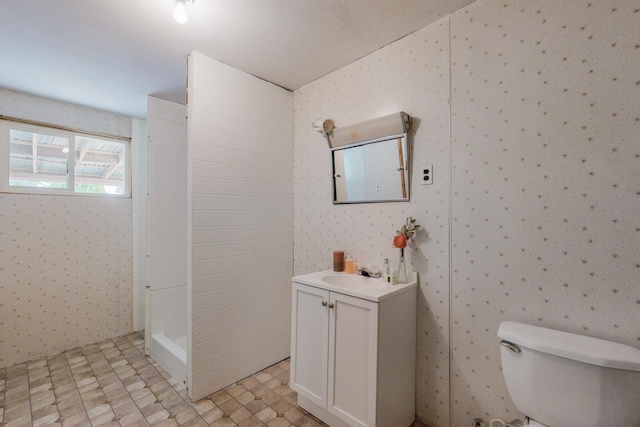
column 353, row 351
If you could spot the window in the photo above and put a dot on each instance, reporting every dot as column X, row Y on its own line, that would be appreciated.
column 50, row 161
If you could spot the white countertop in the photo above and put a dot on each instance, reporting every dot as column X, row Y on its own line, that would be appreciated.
column 369, row 288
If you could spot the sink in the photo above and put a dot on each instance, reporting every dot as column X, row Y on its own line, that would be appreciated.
column 368, row 288
column 353, row 281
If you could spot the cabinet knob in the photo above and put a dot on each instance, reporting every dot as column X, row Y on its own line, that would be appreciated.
column 331, row 305
column 324, row 303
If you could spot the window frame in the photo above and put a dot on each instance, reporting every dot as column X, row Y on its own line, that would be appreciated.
column 6, row 125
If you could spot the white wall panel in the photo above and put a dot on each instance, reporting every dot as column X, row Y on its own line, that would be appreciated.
column 241, row 136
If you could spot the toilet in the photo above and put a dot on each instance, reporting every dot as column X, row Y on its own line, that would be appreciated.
column 560, row 379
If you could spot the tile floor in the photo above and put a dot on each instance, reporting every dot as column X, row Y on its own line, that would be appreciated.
column 112, row 383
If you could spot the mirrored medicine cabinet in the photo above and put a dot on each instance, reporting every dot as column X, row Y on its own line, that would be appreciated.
column 370, row 161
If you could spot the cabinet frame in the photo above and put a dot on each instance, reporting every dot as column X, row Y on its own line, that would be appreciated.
column 313, row 370
column 343, row 404
column 390, row 357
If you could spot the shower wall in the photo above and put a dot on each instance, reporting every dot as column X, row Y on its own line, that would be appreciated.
column 167, row 235
column 241, row 159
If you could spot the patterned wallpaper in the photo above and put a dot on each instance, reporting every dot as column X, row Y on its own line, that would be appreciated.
column 546, row 180
column 535, row 195
column 24, row 106
column 65, row 269
column 65, row 278
column 240, row 137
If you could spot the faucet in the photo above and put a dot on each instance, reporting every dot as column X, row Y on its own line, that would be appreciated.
column 368, row 272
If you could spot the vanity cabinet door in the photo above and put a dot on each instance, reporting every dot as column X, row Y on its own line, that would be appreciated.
column 353, row 361
column 310, row 342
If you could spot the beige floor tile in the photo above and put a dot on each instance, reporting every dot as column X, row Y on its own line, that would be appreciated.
column 170, row 422
column 98, row 410
column 271, row 397
column 124, row 410
column 213, row 415
column 17, row 413
column 131, row 417
column 274, row 370
column 40, row 400
column 292, row 398
column 279, row 422
column 224, row 422
column 255, row 406
column 236, row 390
column 245, row 398
column 229, row 406
column 119, row 401
column 220, row 397
column 151, row 409
column 203, row 406
column 44, row 411
column 293, row 414
column 251, row 422
column 260, row 391
column 250, row 383
column 281, row 406
column 146, row 400
column 262, row 377
column 112, row 383
column 266, row 415
column 68, row 410
column 272, row 383
column 283, row 377
column 306, row 421
column 177, row 407
column 158, row 416
column 74, row 420
column 196, row 422
column 240, row 415
column 283, row 390
column 186, row 415
column 46, row 420
column 102, row 419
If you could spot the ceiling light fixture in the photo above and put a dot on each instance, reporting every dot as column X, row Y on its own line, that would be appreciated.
column 180, row 12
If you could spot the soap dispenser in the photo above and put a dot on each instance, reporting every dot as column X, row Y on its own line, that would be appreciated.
column 386, row 271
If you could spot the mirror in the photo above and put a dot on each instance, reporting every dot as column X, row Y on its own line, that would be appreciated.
column 375, row 171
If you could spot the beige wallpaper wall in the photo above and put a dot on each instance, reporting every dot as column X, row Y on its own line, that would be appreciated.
column 65, row 261
column 533, row 214
column 546, row 180
column 240, row 134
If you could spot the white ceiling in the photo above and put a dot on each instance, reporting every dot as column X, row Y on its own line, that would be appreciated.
column 111, row 54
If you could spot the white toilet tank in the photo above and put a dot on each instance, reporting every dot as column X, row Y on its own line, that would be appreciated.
column 567, row 380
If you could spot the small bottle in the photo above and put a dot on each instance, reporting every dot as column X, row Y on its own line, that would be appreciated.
column 386, row 270
column 349, row 266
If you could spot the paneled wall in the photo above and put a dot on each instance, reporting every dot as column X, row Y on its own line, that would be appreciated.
column 65, row 269
column 529, row 112
column 241, row 145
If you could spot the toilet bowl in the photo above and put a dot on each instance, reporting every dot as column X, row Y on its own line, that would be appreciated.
column 560, row 379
